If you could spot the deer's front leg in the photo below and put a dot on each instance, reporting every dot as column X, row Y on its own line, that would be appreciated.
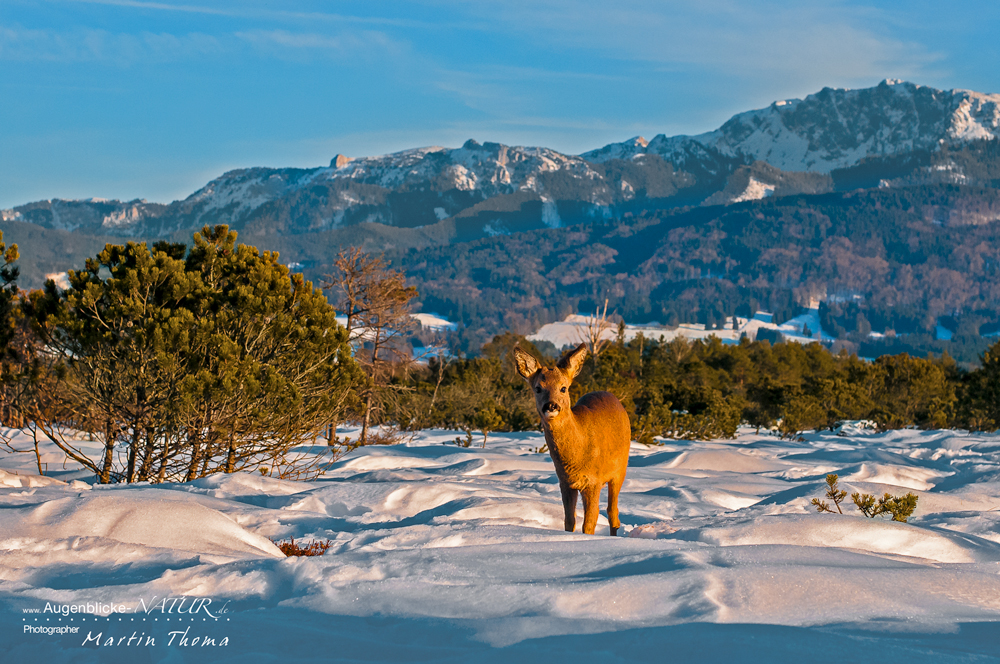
column 591, row 508
column 569, row 505
column 614, row 486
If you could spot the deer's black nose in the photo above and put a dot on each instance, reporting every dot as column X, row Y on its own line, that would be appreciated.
column 550, row 407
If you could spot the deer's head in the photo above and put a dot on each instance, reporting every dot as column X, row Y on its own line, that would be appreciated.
column 551, row 385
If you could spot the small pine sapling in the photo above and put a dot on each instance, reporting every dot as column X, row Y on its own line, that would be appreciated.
column 866, row 504
column 899, row 507
column 834, row 493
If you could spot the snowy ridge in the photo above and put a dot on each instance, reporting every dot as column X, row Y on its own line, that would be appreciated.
column 624, row 150
column 491, row 168
column 836, row 128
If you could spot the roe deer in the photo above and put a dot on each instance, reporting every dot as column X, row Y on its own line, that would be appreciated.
column 589, row 443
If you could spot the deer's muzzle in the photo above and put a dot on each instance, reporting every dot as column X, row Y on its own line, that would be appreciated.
column 550, row 407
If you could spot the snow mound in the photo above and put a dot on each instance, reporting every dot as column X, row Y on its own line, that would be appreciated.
column 850, row 532
column 908, row 477
column 152, row 519
column 17, row 481
column 733, row 461
column 246, row 484
column 652, row 530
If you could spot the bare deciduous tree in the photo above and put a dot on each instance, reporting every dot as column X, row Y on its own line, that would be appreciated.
column 595, row 333
column 376, row 301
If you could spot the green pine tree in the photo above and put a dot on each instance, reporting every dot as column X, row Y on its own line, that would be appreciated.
column 214, row 362
column 834, row 493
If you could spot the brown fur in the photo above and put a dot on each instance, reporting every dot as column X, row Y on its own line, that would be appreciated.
column 588, row 442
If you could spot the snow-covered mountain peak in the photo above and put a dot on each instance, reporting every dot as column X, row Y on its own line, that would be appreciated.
column 835, row 128
column 624, row 150
column 491, row 167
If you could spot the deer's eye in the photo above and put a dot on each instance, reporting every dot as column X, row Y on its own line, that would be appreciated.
column 563, row 389
column 538, row 390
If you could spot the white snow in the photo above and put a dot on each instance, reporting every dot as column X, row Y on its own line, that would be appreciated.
column 444, row 553
column 550, row 213
column 60, row 278
column 755, row 191
column 433, row 321
column 572, row 330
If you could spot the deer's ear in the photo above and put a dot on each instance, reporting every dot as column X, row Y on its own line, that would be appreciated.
column 572, row 362
column 526, row 365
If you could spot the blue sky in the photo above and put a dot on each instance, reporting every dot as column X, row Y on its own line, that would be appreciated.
column 151, row 99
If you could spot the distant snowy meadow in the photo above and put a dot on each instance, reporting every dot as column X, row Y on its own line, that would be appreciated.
column 445, row 553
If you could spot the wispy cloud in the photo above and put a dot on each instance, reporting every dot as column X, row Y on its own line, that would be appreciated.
column 162, row 6
column 347, row 43
column 89, row 45
column 245, row 10
column 828, row 41
column 100, row 46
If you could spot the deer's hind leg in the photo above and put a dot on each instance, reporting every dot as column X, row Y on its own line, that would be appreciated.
column 569, row 505
column 614, row 486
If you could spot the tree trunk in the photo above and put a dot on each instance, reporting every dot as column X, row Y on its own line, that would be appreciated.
column 367, row 418
column 204, row 464
column 161, row 473
column 195, row 458
column 437, row 386
column 231, row 454
column 147, row 457
column 132, row 451
column 109, row 447
column 38, row 455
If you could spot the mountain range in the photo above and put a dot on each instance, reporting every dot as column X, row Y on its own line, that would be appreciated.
column 895, row 133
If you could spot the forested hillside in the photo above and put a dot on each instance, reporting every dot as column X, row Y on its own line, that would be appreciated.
column 896, row 261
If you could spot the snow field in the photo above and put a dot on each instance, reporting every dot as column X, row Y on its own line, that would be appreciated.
column 442, row 553
column 572, row 330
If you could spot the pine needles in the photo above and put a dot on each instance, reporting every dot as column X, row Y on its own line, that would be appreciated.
column 834, row 493
column 899, row 508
